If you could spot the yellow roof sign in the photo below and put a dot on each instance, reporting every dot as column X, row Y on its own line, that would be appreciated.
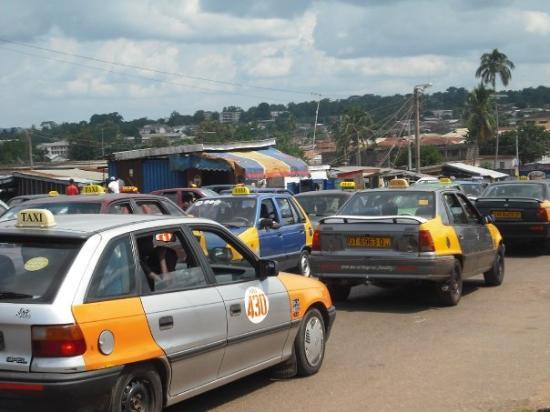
column 35, row 218
column 347, row 185
column 93, row 190
column 445, row 181
column 53, row 193
column 129, row 189
column 240, row 190
column 398, row 184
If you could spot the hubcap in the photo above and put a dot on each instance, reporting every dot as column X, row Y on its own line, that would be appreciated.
column 304, row 265
column 314, row 341
column 136, row 397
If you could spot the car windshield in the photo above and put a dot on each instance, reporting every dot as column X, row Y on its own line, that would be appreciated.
column 229, row 211
column 391, row 203
column 515, row 190
column 68, row 208
column 322, row 205
column 471, row 189
column 32, row 270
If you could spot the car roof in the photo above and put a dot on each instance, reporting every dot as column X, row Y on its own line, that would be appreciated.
column 267, row 195
column 420, row 188
column 109, row 197
column 521, row 182
column 324, row 192
column 84, row 226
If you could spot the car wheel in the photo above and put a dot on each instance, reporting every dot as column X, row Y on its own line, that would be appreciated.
column 304, row 267
column 495, row 275
column 137, row 389
column 338, row 293
column 450, row 291
column 309, row 345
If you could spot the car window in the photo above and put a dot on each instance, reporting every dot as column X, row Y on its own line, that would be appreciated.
column 391, row 203
column 267, row 210
column 173, row 196
column 120, row 208
column 300, row 217
column 115, row 273
column 222, row 253
column 288, row 217
column 167, row 263
column 35, row 267
column 148, row 207
column 171, row 208
column 458, row 215
column 471, row 212
column 516, row 190
column 235, row 211
column 322, row 205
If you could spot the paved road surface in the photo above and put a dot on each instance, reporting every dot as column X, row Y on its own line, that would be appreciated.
column 390, row 351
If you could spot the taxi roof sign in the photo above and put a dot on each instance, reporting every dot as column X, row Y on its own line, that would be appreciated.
column 93, row 190
column 53, row 193
column 347, row 185
column 445, row 181
column 398, row 184
column 240, row 190
column 41, row 218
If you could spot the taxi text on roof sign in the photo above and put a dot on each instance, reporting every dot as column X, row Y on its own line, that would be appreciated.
column 240, row 190
column 93, row 190
column 347, row 185
column 398, row 183
column 35, row 218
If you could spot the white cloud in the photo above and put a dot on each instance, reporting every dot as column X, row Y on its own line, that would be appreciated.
column 537, row 22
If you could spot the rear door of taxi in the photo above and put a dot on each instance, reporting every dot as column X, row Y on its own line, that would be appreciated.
column 292, row 230
column 258, row 310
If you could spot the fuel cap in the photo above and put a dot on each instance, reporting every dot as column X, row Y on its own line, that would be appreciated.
column 106, row 342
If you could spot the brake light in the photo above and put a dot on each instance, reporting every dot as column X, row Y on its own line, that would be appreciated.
column 542, row 214
column 316, row 242
column 57, row 341
column 425, row 241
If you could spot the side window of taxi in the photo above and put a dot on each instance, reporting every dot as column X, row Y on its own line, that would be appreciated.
column 115, row 272
column 150, row 208
column 122, row 208
column 456, row 212
column 226, row 258
column 267, row 210
column 287, row 214
column 300, row 217
column 471, row 213
column 167, row 263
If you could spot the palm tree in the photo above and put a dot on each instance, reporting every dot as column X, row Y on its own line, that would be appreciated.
column 479, row 119
column 355, row 129
column 492, row 65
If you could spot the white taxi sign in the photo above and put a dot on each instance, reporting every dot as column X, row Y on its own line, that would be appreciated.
column 240, row 190
column 40, row 218
column 398, row 184
column 93, row 190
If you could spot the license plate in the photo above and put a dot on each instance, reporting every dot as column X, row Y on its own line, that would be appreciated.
column 506, row 214
column 369, row 242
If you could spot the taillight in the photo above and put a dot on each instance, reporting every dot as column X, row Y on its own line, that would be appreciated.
column 425, row 241
column 542, row 214
column 316, row 242
column 57, row 341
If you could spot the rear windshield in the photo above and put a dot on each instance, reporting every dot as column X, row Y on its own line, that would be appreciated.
column 322, row 205
column 471, row 190
column 32, row 270
column 516, row 190
column 69, row 208
column 391, row 203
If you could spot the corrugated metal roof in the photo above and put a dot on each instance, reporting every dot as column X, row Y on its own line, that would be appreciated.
column 480, row 171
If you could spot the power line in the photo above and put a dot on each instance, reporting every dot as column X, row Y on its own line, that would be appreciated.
column 148, row 69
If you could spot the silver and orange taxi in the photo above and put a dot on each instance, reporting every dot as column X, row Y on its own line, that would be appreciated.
column 135, row 313
column 388, row 236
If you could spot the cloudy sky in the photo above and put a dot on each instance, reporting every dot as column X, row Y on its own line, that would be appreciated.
column 66, row 60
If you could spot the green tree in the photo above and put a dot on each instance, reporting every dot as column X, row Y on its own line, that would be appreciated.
column 533, row 143
column 83, row 146
column 429, row 155
column 285, row 144
column 355, row 129
column 478, row 116
column 495, row 64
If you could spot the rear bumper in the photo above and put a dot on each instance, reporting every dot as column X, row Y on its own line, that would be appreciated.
column 361, row 269
column 524, row 230
column 56, row 391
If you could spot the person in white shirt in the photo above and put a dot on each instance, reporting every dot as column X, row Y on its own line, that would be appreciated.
column 113, row 185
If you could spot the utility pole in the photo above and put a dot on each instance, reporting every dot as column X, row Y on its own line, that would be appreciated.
column 498, row 96
column 417, row 90
column 102, row 145
column 409, row 153
column 29, row 142
column 316, row 117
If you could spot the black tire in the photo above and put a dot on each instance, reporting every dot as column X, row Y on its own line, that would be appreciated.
column 495, row 275
column 141, row 384
column 312, row 334
column 304, row 265
column 448, row 293
column 287, row 369
column 339, row 293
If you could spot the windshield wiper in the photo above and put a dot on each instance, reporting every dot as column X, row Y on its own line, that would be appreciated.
column 14, row 295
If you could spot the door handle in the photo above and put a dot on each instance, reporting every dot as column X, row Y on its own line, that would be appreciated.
column 235, row 310
column 166, row 322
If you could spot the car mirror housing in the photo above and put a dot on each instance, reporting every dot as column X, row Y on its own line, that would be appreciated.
column 268, row 268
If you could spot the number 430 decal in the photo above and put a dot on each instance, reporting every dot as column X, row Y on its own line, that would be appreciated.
column 256, row 304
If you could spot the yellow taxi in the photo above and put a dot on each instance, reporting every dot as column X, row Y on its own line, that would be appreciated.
column 130, row 313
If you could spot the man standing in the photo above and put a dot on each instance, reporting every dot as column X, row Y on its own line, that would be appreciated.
column 72, row 189
column 113, row 185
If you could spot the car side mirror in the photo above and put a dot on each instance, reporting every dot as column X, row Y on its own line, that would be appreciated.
column 487, row 219
column 221, row 255
column 268, row 268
